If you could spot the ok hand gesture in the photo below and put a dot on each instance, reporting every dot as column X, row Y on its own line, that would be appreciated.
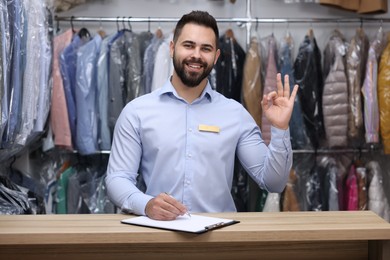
column 278, row 105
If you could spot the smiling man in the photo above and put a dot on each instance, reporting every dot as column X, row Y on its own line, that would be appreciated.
column 182, row 138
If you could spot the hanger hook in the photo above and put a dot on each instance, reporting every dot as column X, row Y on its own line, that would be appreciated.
column 100, row 23
column 71, row 22
column 58, row 24
column 129, row 22
column 123, row 22
column 117, row 23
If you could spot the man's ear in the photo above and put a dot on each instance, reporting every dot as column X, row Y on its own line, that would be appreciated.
column 217, row 56
column 171, row 48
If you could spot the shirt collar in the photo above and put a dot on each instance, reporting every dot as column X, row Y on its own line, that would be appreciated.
column 169, row 89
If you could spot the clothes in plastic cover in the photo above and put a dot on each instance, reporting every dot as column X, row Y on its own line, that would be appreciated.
column 272, row 203
column 17, row 43
column 252, row 81
column 290, row 199
column 4, row 61
column 308, row 75
column 269, row 84
column 356, row 59
column 12, row 199
column 321, row 185
column 369, row 89
column 335, row 92
column 298, row 134
column 36, row 88
column 384, row 97
column 361, row 175
column 124, row 77
column 86, row 91
column 104, row 135
column 351, row 196
column 378, row 201
column 229, row 67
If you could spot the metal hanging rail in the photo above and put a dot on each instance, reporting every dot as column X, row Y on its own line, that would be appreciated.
column 221, row 20
column 243, row 21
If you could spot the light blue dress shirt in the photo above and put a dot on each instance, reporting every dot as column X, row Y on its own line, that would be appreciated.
column 158, row 136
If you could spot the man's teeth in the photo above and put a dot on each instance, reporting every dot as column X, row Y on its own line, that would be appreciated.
column 194, row 66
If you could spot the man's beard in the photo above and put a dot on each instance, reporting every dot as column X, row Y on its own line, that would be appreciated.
column 191, row 79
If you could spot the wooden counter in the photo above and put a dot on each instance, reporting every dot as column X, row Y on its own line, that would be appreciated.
column 284, row 235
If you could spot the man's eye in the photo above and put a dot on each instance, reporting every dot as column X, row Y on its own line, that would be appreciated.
column 188, row 46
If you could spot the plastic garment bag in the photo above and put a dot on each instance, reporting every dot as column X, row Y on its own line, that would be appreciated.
column 378, row 201
column 229, row 67
column 351, row 196
column 240, row 188
column 269, row 84
column 36, row 89
column 384, row 97
column 302, row 167
column 272, row 203
column 369, row 89
column 12, row 199
column 290, row 200
column 329, row 172
column 104, row 134
column 362, row 187
column 356, row 64
column 335, row 92
column 17, row 53
column 313, row 189
column 298, row 133
column 322, row 193
column 124, row 78
column 251, row 83
column 4, row 61
column 308, row 75
column 86, row 91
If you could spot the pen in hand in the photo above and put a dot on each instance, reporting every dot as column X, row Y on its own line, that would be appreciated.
column 187, row 213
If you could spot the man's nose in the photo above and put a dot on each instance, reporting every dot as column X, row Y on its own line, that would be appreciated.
column 196, row 52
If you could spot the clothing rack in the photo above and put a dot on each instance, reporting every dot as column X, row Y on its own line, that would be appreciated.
column 244, row 21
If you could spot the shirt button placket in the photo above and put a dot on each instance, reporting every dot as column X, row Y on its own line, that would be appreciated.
column 188, row 165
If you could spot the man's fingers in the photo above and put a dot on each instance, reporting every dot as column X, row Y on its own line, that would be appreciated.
column 279, row 84
column 286, row 86
column 173, row 205
column 294, row 93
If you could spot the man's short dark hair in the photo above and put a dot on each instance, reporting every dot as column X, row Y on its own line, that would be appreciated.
column 197, row 17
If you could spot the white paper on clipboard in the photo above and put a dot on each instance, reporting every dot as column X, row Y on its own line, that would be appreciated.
column 194, row 224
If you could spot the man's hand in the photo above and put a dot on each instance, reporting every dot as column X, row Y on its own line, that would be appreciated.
column 278, row 105
column 164, row 207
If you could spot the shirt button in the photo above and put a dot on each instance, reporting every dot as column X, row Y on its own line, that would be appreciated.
column 188, row 182
column 189, row 129
column 189, row 155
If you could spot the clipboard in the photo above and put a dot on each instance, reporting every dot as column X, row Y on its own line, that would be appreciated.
column 196, row 224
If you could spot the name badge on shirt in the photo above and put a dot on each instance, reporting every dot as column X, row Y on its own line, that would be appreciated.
column 209, row 128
